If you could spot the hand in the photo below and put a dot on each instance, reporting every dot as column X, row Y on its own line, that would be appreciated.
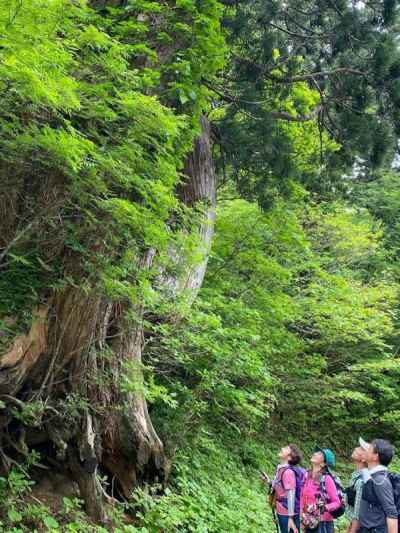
column 321, row 505
column 292, row 526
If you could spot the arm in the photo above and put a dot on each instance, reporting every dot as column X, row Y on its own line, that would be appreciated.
column 359, row 488
column 392, row 525
column 384, row 493
column 266, row 480
column 292, row 526
column 334, row 500
column 354, row 526
column 291, row 497
column 289, row 484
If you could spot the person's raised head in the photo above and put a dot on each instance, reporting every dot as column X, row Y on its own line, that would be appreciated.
column 359, row 457
column 377, row 452
column 290, row 454
column 284, row 454
column 317, row 459
column 295, row 455
column 323, row 457
column 380, row 451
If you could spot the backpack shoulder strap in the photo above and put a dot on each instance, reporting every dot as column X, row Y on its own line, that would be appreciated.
column 322, row 486
column 377, row 483
column 283, row 471
column 296, row 474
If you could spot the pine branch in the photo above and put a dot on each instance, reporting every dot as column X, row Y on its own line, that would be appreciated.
column 292, row 33
column 283, row 115
column 279, row 115
column 321, row 74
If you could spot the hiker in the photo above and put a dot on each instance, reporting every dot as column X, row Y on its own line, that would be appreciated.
column 286, row 487
column 320, row 500
column 378, row 513
column 354, row 490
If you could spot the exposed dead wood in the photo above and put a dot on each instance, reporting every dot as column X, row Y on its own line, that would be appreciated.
column 16, row 364
column 89, row 488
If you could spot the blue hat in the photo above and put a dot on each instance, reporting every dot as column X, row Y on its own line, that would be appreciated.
column 329, row 456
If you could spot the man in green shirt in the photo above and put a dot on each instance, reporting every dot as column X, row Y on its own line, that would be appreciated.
column 354, row 490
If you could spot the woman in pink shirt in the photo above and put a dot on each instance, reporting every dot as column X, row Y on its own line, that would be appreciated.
column 287, row 490
column 316, row 505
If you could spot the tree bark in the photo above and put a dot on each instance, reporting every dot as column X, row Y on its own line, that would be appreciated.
column 198, row 189
column 201, row 187
column 59, row 360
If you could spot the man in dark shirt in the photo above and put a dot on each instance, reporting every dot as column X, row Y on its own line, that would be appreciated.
column 378, row 513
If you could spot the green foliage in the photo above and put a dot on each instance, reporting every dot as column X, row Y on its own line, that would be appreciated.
column 22, row 513
column 294, row 301
column 381, row 197
column 20, row 288
column 289, row 339
column 297, row 57
column 211, row 493
column 97, row 130
column 14, row 489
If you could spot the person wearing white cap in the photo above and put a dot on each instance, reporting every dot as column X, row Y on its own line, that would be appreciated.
column 378, row 513
column 354, row 490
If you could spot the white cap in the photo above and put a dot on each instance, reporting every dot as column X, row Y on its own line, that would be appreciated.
column 364, row 444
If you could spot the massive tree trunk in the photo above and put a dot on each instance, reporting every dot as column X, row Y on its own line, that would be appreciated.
column 199, row 189
column 59, row 365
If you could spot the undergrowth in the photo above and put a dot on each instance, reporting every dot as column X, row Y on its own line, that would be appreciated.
column 211, row 491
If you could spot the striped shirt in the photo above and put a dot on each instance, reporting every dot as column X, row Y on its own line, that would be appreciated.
column 356, row 481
